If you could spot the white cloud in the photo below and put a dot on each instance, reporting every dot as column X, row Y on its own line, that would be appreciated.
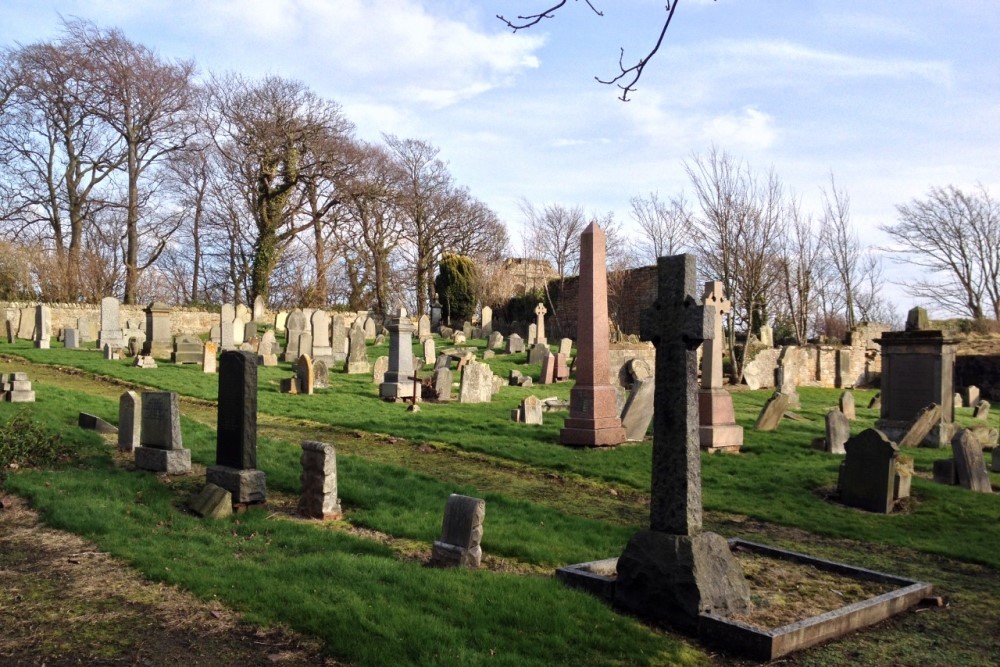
column 750, row 129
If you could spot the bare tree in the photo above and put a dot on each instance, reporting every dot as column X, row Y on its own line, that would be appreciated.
column 554, row 234
column 665, row 225
column 802, row 269
column 954, row 236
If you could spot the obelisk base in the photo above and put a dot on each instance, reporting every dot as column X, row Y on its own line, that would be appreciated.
column 718, row 430
column 593, row 420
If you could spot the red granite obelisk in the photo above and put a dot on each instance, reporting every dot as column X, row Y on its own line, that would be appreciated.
column 593, row 414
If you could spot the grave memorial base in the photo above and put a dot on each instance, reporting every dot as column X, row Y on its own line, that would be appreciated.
column 247, row 486
column 170, row 461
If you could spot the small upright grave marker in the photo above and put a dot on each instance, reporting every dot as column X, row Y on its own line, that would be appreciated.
column 162, row 449
column 461, row 533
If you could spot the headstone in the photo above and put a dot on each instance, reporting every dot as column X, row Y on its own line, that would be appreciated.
column 838, row 432
column 369, row 327
column 88, row 328
column 288, row 385
column 208, row 357
column 95, row 423
column 71, row 339
column 486, row 320
column 495, row 341
column 236, row 434
column 717, row 427
column 321, row 375
column 844, row 376
column 637, row 370
column 786, row 372
column 532, row 333
column 970, row 466
column 982, row 410
column 321, row 344
column 868, row 474
column 162, row 449
column 436, row 310
column 295, row 326
column 530, row 411
column 318, row 499
column 540, row 311
column 847, row 405
column 357, row 358
column 159, row 342
column 227, row 335
column 212, row 502
column 215, row 334
column 441, row 381
column 958, row 400
column 674, row 571
column 227, row 313
column 243, row 312
column 548, row 375
column 397, row 384
column 461, row 533
column 279, row 321
column 379, row 369
column 43, row 327
column 338, row 338
column 566, row 346
column 638, row 410
column 9, row 327
column 188, row 349
column 458, row 338
column 305, row 375
column 144, row 361
column 766, row 335
column 305, row 342
column 477, row 383
column 111, row 352
column 515, row 344
column 772, row 412
column 430, row 353
column 259, row 309
column 239, row 329
column 129, row 421
column 111, row 323
column 423, row 328
column 970, row 395
column 921, row 425
column 268, row 344
column 26, row 327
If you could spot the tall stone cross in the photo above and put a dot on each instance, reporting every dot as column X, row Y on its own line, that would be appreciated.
column 711, row 358
column 677, row 324
column 540, row 338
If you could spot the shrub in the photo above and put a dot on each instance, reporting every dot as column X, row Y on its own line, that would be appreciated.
column 26, row 443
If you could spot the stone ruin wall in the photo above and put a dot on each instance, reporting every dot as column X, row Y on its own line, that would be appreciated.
column 629, row 293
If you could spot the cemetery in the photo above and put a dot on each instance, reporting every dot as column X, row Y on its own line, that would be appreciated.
column 407, row 501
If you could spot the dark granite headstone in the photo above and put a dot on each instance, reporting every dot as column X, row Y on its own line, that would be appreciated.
column 868, row 474
column 970, row 466
column 236, row 432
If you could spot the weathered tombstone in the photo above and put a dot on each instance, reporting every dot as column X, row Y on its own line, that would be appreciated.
column 279, row 321
column 461, row 533
column 970, row 466
column 144, row 361
column 95, row 423
column 212, row 502
column 43, row 327
column 338, row 338
column 357, row 357
column 565, row 346
column 540, row 312
column 71, row 339
column 982, row 410
column 477, row 383
column 486, row 320
column 215, row 334
column 369, row 327
column 868, row 474
column 918, row 367
column 766, row 335
column 847, row 405
column 561, row 371
column 243, row 312
column 917, row 320
column 423, row 328
column 458, row 338
column 111, row 323
column 9, row 326
column 772, row 412
column 111, row 352
column 838, row 432
column 162, row 449
column 970, row 395
column 958, row 400
column 295, row 326
column 259, row 309
column 227, row 336
column 922, row 424
column 129, row 421
column 548, row 374
column 495, row 341
column 638, row 410
column 236, row 434
column 208, row 358
column 786, row 374
column 268, row 344
column 379, row 369
column 321, row 375
column 321, row 344
column 188, row 349
column 515, row 344
column 159, row 342
column 240, row 329
column 318, row 499
column 305, row 342
column 397, row 384
column 530, row 411
column 717, row 427
column 430, row 353
column 441, row 381
column 436, row 312
column 532, row 333
column 674, row 571
column 88, row 327
column 227, row 313
column 305, row 375
column 17, row 388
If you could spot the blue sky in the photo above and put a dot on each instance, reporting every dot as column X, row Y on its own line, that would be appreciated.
column 892, row 97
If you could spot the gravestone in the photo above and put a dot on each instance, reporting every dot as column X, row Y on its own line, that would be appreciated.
column 477, row 383
column 458, row 338
column 532, row 333
column 970, row 466
column 548, row 374
column 423, row 328
column 539, row 337
column 566, row 346
column 515, row 344
column 766, row 336
column 9, row 330
column 441, row 381
column 321, row 375
column 162, row 449
column 305, row 375
column 295, row 326
column 227, row 337
column 259, row 309
column 338, row 338
column 288, row 385
column 838, row 432
column 215, row 334
column 208, row 357
column 529, row 411
column 847, row 405
column 159, row 342
column 243, row 312
column 236, row 434
column 357, row 357
column 918, row 367
column 495, row 341
column 638, row 410
column 279, row 321
column 321, row 344
column 461, row 533
column 71, row 339
column 144, row 361
column 717, row 427
column 188, row 349
column 379, row 369
column 111, row 352
column 561, row 371
column 970, row 395
column 430, row 353
column 674, row 571
column 982, row 410
column 89, row 328
column 958, row 400
column 369, row 327
column 397, row 384
column 16, row 388
column 486, row 321
column 467, row 330
column 239, row 329
column 923, row 423
column 786, row 373
column 129, row 421
column 436, row 312
column 593, row 417
column 868, row 474
column 95, row 423
column 111, row 323
column 772, row 412
column 917, row 320
column 43, row 327
column 26, row 326
column 305, row 342
column 267, row 349
column 318, row 499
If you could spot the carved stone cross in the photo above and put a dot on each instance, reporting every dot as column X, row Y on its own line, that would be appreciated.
column 540, row 338
column 711, row 359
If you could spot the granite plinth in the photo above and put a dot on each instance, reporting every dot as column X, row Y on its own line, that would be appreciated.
column 170, row 461
column 247, row 486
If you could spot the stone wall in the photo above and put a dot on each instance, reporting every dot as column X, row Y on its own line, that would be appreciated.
column 629, row 293
column 65, row 315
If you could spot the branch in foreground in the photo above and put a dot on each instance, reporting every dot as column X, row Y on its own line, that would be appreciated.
column 533, row 19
